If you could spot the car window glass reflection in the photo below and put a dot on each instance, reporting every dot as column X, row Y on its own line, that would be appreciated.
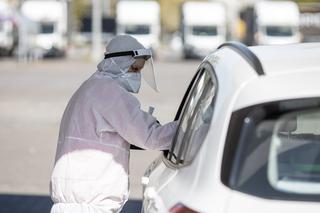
column 290, row 169
column 195, row 120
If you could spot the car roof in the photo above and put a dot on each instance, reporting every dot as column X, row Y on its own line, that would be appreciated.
column 261, row 74
column 288, row 58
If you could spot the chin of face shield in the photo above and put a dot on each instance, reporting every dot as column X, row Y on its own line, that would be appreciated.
column 148, row 71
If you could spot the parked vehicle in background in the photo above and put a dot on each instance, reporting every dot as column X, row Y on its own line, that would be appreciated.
column 140, row 19
column 203, row 27
column 51, row 18
column 84, row 36
column 277, row 22
column 248, row 135
column 8, row 30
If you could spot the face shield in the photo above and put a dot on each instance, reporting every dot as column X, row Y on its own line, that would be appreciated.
column 147, row 72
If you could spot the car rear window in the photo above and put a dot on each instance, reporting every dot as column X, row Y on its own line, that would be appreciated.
column 137, row 29
column 279, row 30
column 204, row 30
column 46, row 27
column 273, row 150
column 294, row 155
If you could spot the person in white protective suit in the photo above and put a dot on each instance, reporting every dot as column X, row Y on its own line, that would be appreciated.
column 100, row 122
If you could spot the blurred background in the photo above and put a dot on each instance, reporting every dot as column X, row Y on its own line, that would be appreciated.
column 49, row 47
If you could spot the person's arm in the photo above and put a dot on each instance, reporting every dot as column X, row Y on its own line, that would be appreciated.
column 136, row 126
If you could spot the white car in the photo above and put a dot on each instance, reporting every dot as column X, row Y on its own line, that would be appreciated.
column 248, row 137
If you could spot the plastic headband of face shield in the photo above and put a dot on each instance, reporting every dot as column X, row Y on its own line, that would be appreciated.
column 141, row 53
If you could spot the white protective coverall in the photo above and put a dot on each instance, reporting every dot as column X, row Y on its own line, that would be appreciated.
column 100, row 122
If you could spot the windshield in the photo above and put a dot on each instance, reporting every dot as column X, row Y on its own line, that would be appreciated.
column 279, row 30
column 137, row 29
column 204, row 30
column 46, row 28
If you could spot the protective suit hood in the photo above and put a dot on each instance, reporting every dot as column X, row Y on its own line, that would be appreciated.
column 116, row 65
column 118, row 59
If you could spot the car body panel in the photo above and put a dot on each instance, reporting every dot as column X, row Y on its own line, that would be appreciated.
column 249, row 203
column 239, row 86
column 260, row 91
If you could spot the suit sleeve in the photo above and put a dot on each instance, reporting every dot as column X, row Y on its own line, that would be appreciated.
column 135, row 125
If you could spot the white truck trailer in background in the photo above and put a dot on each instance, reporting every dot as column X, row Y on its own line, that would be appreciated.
column 8, row 29
column 141, row 19
column 277, row 22
column 51, row 19
column 203, row 27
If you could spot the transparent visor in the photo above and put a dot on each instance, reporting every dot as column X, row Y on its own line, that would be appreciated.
column 148, row 71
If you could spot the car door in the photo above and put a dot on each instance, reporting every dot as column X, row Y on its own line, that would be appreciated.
column 194, row 116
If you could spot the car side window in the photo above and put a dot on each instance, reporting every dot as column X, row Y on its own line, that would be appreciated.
column 195, row 118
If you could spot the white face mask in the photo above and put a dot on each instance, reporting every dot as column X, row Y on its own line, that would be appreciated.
column 131, row 81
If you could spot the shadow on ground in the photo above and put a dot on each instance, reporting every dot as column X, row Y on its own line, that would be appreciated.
column 42, row 204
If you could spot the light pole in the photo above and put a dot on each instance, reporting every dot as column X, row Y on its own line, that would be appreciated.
column 96, row 30
column 69, row 22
